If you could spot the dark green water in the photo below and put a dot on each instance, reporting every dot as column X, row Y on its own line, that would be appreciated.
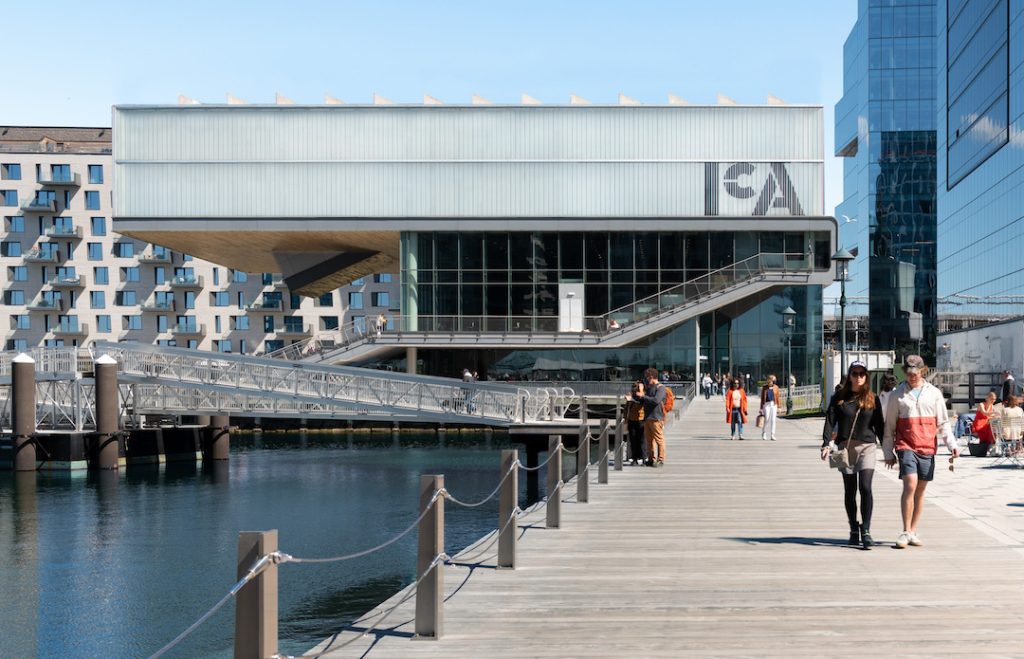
column 116, row 565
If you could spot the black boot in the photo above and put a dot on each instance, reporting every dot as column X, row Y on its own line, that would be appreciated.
column 854, row 535
column 865, row 539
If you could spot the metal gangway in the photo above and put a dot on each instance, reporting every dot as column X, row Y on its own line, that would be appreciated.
column 617, row 328
column 161, row 380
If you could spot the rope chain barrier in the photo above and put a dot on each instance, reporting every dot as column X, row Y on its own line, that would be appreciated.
column 525, row 468
column 497, row 534
column 448, row 495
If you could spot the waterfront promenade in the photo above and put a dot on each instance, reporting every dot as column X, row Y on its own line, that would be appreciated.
column 738, row 549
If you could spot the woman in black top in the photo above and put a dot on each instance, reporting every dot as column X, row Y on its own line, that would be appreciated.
column 855, row 416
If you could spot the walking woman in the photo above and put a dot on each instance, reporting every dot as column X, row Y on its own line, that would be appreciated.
column 635, row 426
column 736, row 409
column 854, row 422
column 982, row 425
column 769, row 407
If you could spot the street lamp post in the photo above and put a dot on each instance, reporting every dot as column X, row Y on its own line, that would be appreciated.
column 789, row 323
column 842, row 259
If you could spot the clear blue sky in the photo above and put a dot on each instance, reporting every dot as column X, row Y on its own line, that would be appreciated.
column 74, row 59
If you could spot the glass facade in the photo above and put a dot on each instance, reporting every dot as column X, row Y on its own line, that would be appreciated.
column 981, row 207
column 512, row 282
column 886, row 129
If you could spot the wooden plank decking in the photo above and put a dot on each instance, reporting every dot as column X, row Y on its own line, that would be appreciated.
column 737, row 549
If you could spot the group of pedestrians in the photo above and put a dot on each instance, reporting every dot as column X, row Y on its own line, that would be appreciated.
column 908, row 420
column 645, row 420
column 768, row 408
column 715, row 385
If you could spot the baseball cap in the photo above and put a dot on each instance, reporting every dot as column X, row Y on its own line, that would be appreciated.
column 857, row 364
column 913, row 361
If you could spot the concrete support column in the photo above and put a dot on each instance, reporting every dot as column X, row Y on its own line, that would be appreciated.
column 410, row 360
column 108, row 422
column 23, row 412
column 220, row 438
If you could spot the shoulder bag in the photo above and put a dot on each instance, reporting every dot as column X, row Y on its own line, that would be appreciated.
column 840, row 458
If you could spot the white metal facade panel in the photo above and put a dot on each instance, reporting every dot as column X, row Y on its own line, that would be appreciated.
column 443, row 161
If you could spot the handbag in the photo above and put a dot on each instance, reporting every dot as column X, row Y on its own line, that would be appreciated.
column 840, row 458
column 760, row 421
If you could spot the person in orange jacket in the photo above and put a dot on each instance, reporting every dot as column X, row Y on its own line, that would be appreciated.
column 736, row 409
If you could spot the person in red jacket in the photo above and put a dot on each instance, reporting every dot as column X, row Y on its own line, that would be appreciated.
column 736, row 409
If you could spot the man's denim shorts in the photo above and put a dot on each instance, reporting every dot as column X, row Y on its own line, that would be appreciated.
column 913, row 463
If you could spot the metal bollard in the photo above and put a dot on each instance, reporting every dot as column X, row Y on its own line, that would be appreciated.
column 23, row 412
column 602, row 451
column 507, row 501
column 430, row 592
column 256, row 602
column 554, row 507
column 619, row 450
column 106, row 450
column 583, row 410
column 582, row 462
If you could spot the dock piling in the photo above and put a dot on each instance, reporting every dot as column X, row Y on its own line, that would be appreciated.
column 582, row 464
column 507, row 501
column 23, row 412
column 602, row 452
column 256, row 602
column 430, row 592
column 554, row 505
column 105, row 452
column 618, row 451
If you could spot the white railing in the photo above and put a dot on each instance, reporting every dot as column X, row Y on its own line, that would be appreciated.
column 804, row 398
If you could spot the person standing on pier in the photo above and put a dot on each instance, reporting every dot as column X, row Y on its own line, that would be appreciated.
column 651, row 394
column 916, row 417
column 736, row 409
column 635, row 426
column 854, row 422
column 769, row 407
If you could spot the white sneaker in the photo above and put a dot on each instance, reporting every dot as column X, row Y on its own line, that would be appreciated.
column 903, row 540
column 914, row 540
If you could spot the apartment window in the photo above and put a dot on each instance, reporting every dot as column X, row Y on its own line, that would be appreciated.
column 46, row 197
column 63, row 225
column 92, row 200
column 124, row 250
column 355, row 300
column 126, row 299
column 49, row 250
column 94, row 251
column 15, row 223
column 99, row 226
column 96, row 174
column 161, row 323
column 10, row 172
column 100, row 275
column 325, row 300
column 162, row 252
column 220, row 299
column 60, row 173
column 185, row 275
column 159, row 274
column 216, row 324
column 67, row 323
column 103, row 324
column 296, row 301
column 190, row 299
column 328, row 322
column 54, row 343
column 241, row 300
column 222, row 345
column 17, row 344
column 14, row 298
column 239, row 277
column 97, row 300
column 131, row 274
column 241, row 346
column 67, row 273
column 131, row 322
column 268, row 324
column 186, row 257
column 381, row 299
column 164, row 298
column 10, row 197
column 240, row 322
column 18, row 273
column 358, row 282
column 167, row 343
column 216, row 276
column 270, row 345
column 359, row 324
column 10, row 248
column 21, row 322
column 383, row 278
column 268, row 279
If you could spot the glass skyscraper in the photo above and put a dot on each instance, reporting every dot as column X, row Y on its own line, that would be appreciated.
column 885, row 127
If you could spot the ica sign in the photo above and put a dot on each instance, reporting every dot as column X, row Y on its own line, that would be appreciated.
column 745, row 188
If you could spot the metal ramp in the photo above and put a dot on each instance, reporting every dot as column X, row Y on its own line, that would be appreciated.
column 615, row 329
column 178, row 380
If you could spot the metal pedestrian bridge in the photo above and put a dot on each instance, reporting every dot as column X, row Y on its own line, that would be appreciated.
column 157, row 380
column 749, row 277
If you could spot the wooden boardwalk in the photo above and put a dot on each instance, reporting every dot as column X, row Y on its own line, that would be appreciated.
column 737, row 549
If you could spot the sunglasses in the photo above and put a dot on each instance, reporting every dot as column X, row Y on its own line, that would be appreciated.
column 858, row 374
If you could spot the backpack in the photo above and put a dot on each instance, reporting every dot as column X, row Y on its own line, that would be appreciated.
column 670, row 400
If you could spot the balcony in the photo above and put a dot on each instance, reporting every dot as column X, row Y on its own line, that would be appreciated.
column 273, row 305
column 278, row 282
column 157, row 306
column 64, row 232
column 66, row 281
column 189, row 329
column 61, row 180
column 186, row 281
column 155, row 257
column 33, row 205
column 43, row 304
column 39, row 256
column 293, row 331
column 71, row 329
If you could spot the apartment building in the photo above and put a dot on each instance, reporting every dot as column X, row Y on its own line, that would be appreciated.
column 69, row 279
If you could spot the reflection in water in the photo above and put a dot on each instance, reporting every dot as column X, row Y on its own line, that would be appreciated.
column 153, row 546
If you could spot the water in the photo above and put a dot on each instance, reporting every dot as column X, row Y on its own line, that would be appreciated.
column 118, row 564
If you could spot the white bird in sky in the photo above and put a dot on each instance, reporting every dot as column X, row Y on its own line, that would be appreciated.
column 847, row 219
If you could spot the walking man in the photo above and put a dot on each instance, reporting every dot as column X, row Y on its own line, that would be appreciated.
column 651, row 394
column 915, row 419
